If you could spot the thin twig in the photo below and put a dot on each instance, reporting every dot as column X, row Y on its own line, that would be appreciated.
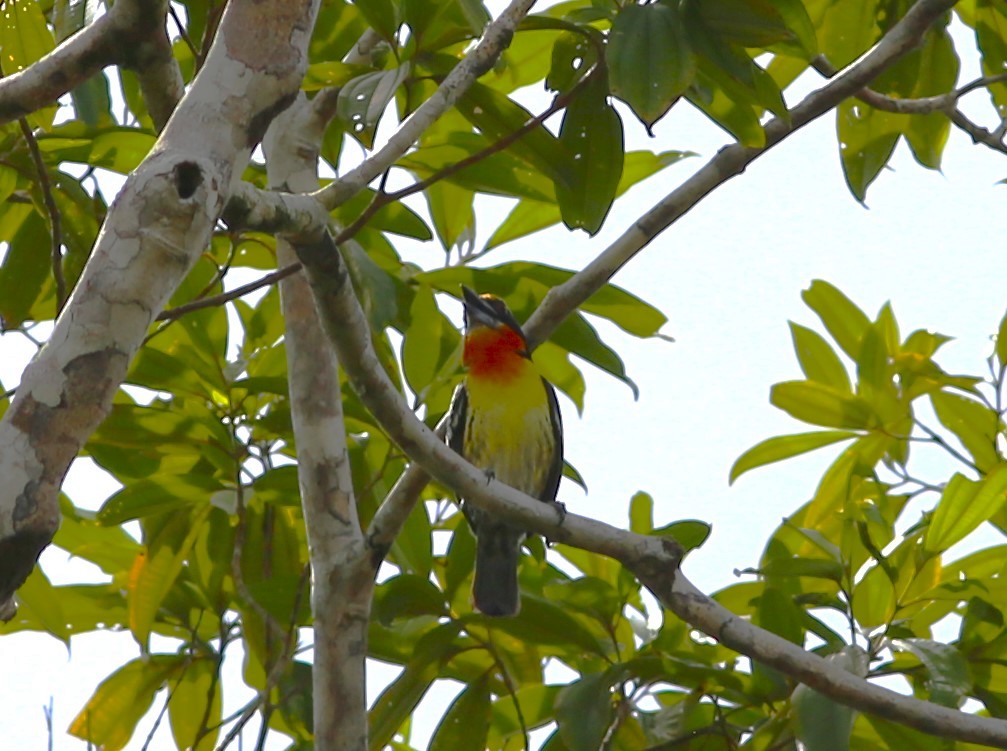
column 183, row 32
column 55, row 222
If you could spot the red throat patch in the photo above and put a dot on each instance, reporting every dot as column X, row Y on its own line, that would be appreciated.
column 494, row 353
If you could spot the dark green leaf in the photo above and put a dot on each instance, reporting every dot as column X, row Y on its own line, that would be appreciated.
column 584, row 710
column 938, row 73
column 867, row 139
column 947, row 673
column 649, row 59
column 465, row 725
column 991, row 34
column 573, row 55
column 496, row 116
column 407, row 595
column 823, row 724
column 592, row 134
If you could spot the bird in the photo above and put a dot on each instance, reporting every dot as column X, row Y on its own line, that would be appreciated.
column 505, row 419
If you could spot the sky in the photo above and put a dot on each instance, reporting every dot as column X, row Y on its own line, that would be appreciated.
column 729, row 276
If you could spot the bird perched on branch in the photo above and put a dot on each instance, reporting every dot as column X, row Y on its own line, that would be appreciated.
column 505, row 420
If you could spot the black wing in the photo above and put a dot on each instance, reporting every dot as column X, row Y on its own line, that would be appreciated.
column 457, row 415
column 556, row 465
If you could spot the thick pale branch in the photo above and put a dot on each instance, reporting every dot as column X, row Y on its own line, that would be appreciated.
column 155, row 230
column 729, row 162
column 342, row 566
column 654, row 560
column 130, row 34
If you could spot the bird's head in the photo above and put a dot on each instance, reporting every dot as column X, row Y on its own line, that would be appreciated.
column 495, row 345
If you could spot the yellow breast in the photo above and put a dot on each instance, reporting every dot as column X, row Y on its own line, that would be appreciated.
column 509, row 430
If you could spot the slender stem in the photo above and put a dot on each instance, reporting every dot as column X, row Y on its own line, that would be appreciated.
column 55, row 222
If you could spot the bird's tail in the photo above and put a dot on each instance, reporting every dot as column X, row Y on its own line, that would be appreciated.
column 495, row 589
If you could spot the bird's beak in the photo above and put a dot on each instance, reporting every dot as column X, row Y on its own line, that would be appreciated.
column 478, row 312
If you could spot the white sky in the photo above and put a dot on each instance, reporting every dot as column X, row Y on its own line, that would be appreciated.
column 729, row 276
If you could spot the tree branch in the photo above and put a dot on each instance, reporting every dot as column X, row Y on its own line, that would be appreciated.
column 342, row 567
column 730, row 161
column 131, row 34
column 55, row 222
column 654, row 560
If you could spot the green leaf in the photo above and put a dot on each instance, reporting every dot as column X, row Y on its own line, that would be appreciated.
column 400, row 698
column 762, row 23
column 116, row 706
column 197, row 684
column 649, row 59
column 497, row 116
column 938, row 74
column 867, row 139
column 847, row 31
column 452, row 212
column 501, row 173
column 964, row 505
column 531, row 216
column 156, row 569
column 783, row 447
column 641, row 513
column 26, row 266
column 819, row 568
column 412, row 547
column 373, row 284
column 592, row 134
column 159, row 494
column 823, row 724
column 465, row 725
column 363, row 100
column 973, row 423
column 819, row 404
column 817, row 359
column 427, row 342
column 991, row 34
column 874, row 599
column 116, row 148
column 689, row 533
column 947, row 672
column 545, row 622
column 844, row 321
column 1001, row 342
column 407, row 595
column 43, row 602
column 573, row 55
column 381, row 15
column 584, row 710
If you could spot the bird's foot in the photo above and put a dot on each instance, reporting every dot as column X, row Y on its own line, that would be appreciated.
column 490, row 475
column 561, row 516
